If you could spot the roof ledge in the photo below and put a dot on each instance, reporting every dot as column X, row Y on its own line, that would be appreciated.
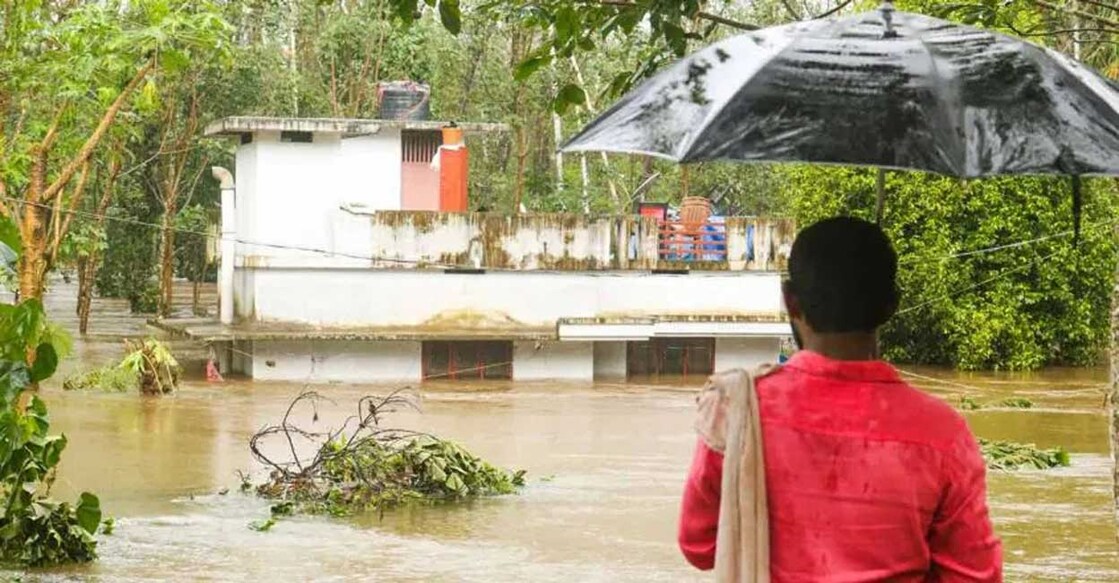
column 240, row 125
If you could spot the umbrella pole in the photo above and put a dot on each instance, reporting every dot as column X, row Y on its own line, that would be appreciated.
column 881, row 196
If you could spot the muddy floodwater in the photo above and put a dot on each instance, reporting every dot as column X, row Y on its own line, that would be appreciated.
column 605, row 466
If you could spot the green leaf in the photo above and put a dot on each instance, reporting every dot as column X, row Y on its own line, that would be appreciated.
column 566, row 24
column 674, row 35
column 46, row 362
column 571, row 94
column 530, row 66
column 89, row 512
column 451, row 16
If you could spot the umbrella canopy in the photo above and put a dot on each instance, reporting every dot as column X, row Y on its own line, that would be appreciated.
column 883, row 88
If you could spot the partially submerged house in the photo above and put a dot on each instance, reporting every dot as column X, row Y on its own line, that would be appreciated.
column 346, row 256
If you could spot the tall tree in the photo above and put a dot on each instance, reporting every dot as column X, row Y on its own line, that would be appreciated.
column 69, row 70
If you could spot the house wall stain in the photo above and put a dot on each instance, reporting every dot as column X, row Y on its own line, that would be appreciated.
column 562, row 242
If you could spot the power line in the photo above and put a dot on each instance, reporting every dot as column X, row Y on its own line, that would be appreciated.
column 996, row 248
column 331, row 253
column 954, row 293
column 137, row 222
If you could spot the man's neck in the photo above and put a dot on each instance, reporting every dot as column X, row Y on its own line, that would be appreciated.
column 844, row 345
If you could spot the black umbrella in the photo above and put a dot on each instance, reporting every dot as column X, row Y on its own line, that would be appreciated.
column 885, row 89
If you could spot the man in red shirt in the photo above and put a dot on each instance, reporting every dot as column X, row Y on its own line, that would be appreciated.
column 867, row 478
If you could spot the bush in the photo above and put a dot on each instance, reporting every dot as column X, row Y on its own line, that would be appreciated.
column 35, row 530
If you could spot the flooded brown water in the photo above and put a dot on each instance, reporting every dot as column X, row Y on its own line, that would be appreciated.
column 605, row 463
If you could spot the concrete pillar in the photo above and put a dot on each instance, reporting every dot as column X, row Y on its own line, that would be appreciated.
column 610, row 360
column 228, row 241
column 553, row 361
column 745, row 352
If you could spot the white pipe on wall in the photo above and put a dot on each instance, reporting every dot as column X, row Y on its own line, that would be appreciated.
column 228, row 241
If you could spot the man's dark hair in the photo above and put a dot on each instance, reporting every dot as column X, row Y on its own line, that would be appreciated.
column 843, row 273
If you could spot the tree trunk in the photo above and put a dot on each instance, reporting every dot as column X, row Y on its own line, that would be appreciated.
column 166, row 261
column 33, row 260
column 87, row 271
column 87, row 266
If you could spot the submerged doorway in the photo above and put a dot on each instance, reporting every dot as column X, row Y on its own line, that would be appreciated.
column 468, row 360
column 671, row 356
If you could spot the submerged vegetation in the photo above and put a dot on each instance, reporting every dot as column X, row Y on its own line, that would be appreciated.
column 369, row 467
column 1007, row 455
column 1017, row 403
column 148, row 367
column 108, row 379
column 968, row 403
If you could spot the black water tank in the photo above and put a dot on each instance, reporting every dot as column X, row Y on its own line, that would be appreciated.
column 404, row 100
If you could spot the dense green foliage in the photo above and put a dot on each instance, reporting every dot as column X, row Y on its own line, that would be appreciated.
column 544, row 68
column 1034, row 304
column 35, row 530
column 129, row 261
column 191, row 261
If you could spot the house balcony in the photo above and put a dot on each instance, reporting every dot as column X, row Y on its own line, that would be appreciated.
column 536, row 242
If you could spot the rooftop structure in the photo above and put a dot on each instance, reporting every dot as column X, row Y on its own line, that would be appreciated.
column 344, row 257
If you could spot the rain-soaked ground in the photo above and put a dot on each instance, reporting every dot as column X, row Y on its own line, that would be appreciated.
column 605, row 466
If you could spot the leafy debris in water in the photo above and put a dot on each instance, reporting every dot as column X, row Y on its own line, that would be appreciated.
column 262, row 525
column 969, row 404
column 363, row 466
column 1008, row 455
column 1017, row 403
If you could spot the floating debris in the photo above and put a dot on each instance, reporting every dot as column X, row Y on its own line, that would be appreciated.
column 1008, row 455
column 369, row 467
column 969, row 404
column 1017, row 403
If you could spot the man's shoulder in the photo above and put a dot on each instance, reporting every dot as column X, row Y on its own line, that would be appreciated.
column 941, row 423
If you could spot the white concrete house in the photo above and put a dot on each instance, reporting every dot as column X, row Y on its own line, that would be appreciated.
column 336, row 267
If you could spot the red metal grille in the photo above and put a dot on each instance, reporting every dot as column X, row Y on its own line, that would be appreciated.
column 467, row 360
column 671, row 356
column 704, row 242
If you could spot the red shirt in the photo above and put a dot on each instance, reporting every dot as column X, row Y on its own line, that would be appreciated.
column 868, row 479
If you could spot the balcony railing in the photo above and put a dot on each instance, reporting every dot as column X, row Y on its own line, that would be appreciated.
column 692, row 243
column 561, row 242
